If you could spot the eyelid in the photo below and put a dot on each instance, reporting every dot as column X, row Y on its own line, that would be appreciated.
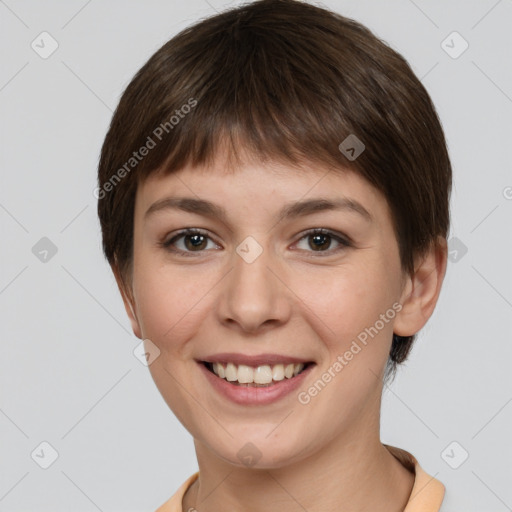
column 343, row 240
column 167, row 243
column 325, row 231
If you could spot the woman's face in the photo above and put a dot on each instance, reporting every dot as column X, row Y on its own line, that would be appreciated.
column 255, row 286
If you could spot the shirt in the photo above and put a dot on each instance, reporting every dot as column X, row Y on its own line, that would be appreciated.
column 426, row 496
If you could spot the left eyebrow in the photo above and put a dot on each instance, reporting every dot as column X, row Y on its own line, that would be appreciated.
column 290, row 210
column 309, row 206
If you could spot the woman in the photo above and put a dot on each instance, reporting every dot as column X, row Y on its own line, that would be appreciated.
column 274, row 201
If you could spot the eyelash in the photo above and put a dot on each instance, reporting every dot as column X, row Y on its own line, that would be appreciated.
column 342, row 240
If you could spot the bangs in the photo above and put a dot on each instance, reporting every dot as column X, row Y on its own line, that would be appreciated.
column 256, row 96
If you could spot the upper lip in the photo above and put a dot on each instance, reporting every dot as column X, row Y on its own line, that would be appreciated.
column 255, row 360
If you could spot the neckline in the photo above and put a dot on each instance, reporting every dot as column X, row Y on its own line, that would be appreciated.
column 427, row 493
column 426, row 496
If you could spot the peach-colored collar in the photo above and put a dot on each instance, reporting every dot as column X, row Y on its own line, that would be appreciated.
column 427, row 492
column 426, row 496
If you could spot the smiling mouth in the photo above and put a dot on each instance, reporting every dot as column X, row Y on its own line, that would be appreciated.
column 260, row 376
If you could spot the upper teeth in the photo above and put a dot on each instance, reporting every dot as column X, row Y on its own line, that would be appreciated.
column 260, row 375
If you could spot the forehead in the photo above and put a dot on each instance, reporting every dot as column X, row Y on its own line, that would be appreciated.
column 275, row 187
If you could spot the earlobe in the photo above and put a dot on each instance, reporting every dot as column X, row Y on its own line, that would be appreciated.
column 421, row 290
column 128, row 300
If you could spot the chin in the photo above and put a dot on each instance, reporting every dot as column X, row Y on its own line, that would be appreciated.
column 257, row 451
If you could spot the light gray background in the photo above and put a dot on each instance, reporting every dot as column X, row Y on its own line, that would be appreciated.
column 68, row 374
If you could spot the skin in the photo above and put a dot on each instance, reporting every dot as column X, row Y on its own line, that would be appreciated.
column 291, row 300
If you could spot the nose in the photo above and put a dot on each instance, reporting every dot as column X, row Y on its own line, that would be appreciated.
column 254, row 295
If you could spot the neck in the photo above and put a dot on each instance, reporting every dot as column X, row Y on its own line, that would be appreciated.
column 350, row 473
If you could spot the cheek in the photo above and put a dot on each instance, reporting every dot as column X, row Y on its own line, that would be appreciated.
column 345, row 300
column 345, row 311
column 170, row 302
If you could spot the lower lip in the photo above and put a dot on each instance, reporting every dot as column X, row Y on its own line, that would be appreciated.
column 246, row 395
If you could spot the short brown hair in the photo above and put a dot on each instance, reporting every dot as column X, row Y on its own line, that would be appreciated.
column 288, row 81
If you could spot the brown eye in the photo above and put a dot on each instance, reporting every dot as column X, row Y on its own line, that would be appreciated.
column 195, row 241
column 321, row 241
column 188, row 241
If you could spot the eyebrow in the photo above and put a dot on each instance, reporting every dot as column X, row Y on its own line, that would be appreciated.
column 289, row 211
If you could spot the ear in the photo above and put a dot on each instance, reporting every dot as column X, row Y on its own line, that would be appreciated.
column 128, row 300
column 421, row 290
